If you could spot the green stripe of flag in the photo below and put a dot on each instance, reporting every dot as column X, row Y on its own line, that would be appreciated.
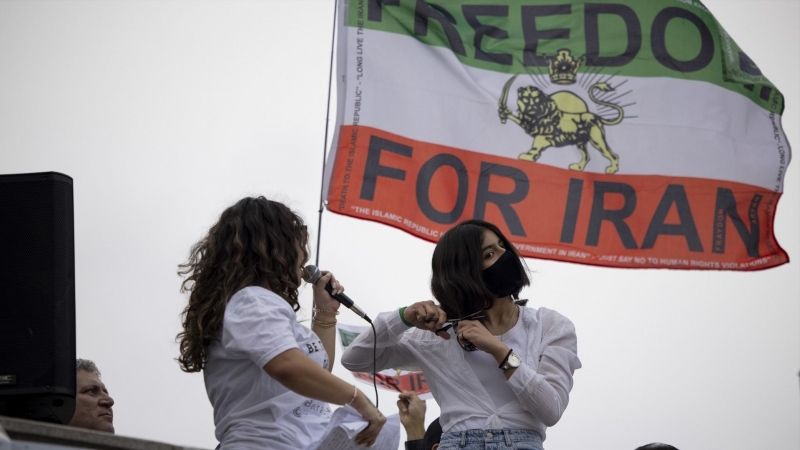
column 636, row 38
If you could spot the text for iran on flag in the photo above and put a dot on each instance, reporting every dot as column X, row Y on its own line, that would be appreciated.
column 621, row 133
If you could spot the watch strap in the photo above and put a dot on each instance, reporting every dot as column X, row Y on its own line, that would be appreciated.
column 502, row 365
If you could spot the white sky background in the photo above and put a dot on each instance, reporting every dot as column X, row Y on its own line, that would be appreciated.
column 164, row 113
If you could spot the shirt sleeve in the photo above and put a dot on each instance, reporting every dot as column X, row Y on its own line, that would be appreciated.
column 391, row 331
column 545, row 392
column 258, row 325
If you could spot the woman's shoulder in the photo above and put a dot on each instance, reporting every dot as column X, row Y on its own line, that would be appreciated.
column 255, row 297
column 542, row 313
column 548, row 319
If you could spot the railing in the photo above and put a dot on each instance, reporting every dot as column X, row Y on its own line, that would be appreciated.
column 20, row 434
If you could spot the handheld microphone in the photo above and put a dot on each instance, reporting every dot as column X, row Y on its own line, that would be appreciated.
column 311, row 274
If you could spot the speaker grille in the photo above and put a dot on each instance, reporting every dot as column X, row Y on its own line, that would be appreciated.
column 37, row 283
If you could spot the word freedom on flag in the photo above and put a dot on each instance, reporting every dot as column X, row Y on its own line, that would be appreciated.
column 617, row 133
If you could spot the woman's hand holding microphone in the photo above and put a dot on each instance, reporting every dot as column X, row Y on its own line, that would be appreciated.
column 323, row 300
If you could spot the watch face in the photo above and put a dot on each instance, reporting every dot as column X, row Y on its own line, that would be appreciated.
column 514, row 360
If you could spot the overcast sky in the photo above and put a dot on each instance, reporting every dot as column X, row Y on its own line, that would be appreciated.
column 164, row 113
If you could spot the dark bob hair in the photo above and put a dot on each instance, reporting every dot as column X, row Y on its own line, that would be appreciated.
column 457, row 280
column 254, row 243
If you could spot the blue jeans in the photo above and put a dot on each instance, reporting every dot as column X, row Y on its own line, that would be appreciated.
column 491, row 440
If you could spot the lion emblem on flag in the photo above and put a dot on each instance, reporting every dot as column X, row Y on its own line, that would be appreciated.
column 562, row 119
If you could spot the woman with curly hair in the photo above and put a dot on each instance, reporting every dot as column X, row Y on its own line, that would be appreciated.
column 507, row 375
column 267, row 377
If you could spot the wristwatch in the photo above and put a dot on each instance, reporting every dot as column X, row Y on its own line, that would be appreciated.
column 512, row 360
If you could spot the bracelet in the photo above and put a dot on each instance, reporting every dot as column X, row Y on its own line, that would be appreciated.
column 329, row 311
column 323, row 324
column 403, row 318
column 355, row 394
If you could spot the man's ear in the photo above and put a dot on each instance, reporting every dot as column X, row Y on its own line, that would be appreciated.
column 435, row 446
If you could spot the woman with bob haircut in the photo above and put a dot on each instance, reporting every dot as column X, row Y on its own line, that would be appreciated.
column 507, row 375
column 267, row 377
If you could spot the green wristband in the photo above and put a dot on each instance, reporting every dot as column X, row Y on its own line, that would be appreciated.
column 403, row 318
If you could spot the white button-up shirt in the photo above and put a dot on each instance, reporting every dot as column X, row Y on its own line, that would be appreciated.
column 541, row 384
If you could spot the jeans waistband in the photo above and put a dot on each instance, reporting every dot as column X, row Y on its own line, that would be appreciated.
column 490, row 436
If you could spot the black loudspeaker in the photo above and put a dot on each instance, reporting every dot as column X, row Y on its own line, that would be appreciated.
column 37, row 297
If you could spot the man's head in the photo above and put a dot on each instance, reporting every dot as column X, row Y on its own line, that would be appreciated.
column 433, row 435
column 92, row 402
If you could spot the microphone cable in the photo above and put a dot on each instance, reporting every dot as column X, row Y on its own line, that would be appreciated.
column 374, row 362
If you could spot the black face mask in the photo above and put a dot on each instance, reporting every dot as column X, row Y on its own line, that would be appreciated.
column 504, row 277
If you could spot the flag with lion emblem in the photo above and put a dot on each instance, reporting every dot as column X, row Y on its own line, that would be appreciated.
column 621, row 133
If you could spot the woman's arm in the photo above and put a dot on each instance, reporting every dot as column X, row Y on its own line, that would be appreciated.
column 325, row 312
column 326, row 334
column 390, row 328
column 545, row 392
column 302, row 375
column 298, row 373
column 474, row 332
column 357, row 357
column 260, row 325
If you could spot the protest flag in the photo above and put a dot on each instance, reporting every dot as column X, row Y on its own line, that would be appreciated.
column 620, row 133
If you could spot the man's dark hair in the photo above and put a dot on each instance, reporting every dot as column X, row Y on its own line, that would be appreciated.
column 432, row 435
column 656, row 446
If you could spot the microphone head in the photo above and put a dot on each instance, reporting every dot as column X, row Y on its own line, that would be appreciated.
column 311, row 274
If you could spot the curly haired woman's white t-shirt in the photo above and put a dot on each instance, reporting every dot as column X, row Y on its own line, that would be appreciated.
column 251, row 409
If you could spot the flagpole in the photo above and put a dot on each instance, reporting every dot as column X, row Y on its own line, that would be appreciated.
column 322, row 190
column 325, row 144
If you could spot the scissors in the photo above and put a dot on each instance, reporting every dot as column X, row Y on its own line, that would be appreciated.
column 452, row 322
